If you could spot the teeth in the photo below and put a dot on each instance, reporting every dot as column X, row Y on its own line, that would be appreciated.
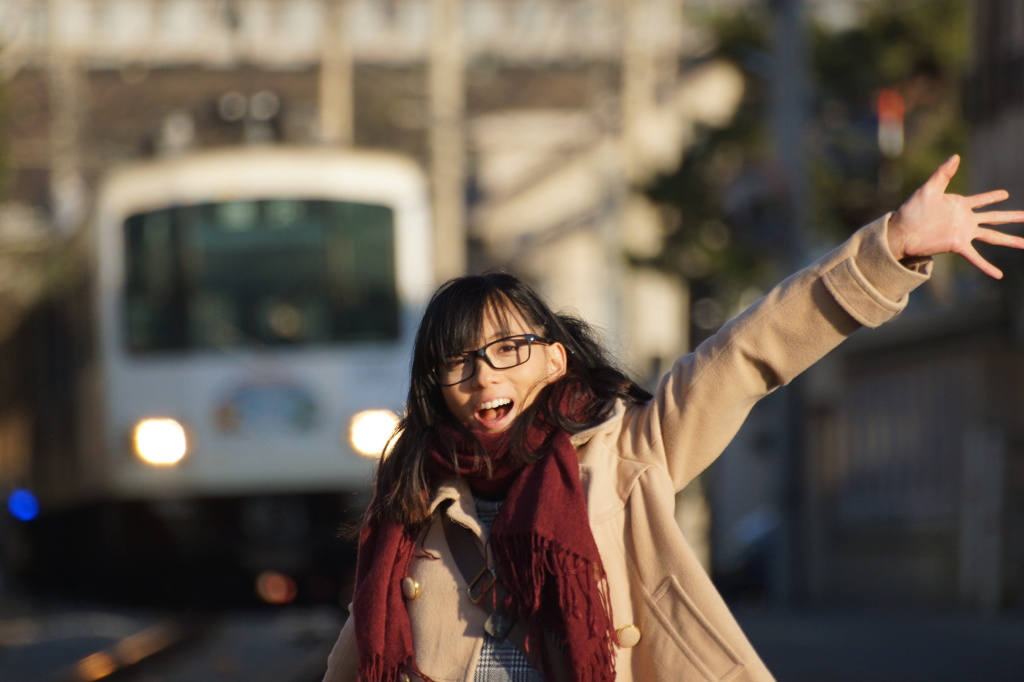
column 494, row 404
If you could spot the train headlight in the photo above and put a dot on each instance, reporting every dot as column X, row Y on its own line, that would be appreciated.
column 370, row 430
column 161, row 442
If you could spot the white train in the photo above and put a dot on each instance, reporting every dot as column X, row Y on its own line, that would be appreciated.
column 234, row 359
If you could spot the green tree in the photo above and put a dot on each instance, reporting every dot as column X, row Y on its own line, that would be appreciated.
column 919, row 51
column 725, row 193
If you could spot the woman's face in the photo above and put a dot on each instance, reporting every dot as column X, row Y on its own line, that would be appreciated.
column 491, row 399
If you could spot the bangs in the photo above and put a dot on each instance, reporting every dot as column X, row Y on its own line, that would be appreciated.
column 460, row 327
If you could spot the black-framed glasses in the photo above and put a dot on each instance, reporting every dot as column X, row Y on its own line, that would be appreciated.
column 504, row 353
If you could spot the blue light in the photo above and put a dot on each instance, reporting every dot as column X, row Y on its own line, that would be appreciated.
column 23, row 505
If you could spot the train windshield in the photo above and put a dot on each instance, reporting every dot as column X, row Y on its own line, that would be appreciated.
column 260, row 273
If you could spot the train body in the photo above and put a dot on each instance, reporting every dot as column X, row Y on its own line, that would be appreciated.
column 232, row 359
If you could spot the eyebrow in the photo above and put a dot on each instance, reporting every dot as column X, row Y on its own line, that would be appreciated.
column 498, row 335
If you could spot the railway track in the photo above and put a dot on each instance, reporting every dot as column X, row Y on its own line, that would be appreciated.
column 262, row 645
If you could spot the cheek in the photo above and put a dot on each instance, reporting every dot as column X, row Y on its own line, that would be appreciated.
column 455, row 402
column 531, row 386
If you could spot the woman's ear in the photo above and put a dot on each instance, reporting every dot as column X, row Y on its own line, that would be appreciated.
column 556, row 358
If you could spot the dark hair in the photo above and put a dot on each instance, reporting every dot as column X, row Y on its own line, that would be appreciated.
column 450, row 325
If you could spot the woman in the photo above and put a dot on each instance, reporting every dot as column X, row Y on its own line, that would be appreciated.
column 523, row 525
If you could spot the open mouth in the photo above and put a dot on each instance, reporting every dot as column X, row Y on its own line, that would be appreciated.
column 494, row 410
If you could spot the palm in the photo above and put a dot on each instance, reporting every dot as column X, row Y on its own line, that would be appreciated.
column 933, row 222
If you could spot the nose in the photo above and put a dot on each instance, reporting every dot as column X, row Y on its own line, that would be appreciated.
column 484, row 373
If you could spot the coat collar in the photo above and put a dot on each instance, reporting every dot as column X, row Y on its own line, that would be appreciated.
column 618, row 410
column 457, row 501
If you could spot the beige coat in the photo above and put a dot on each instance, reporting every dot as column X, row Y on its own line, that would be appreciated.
column 673, row 623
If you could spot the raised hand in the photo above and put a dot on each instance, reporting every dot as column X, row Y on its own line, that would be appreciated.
column 933, row 222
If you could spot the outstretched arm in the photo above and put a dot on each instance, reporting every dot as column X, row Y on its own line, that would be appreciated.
column 702, row 402
column 933, row 222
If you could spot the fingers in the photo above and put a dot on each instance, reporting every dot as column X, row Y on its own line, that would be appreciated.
column 975, row 259
column 1000, row 217
column 963, row 228
column 987, row 198
column 944, row 173
column 997, row 238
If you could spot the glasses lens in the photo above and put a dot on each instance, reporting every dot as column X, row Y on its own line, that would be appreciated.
column 509, row 352
column 456, row 370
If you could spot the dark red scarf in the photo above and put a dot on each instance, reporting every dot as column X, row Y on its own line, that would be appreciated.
column 541, row 540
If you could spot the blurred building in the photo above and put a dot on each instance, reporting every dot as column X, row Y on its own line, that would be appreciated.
column 574, row 103
column 909, row 489
column 912, row 487
column 539, row 121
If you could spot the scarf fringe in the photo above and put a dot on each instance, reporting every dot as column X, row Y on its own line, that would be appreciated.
column 372, row 670
column 536, row 564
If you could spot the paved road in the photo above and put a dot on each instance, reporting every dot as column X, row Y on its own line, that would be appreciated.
column 291, row 646
column 847, row 646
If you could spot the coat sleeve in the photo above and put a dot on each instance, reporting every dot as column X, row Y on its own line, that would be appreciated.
column 701, row 403
column 341, row 664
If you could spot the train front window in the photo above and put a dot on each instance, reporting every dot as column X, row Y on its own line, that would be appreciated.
column 260, row 273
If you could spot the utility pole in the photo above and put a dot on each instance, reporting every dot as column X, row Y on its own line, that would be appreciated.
column 790, row 89
column 446, row 81
column 639, row 78
column 637, row 92
column 336, row 125
column 65, row 86
column 637, row 100
column 789, row 117
column 645, row 68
